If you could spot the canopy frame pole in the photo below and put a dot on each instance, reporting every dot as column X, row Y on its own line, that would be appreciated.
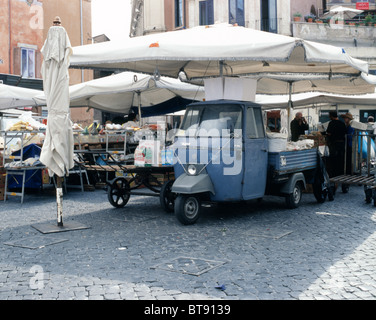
column 221, row 67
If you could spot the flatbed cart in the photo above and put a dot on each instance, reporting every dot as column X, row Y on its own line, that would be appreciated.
column 136, row 180
column 362, row 168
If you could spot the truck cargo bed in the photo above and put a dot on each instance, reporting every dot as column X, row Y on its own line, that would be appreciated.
column 285, row 162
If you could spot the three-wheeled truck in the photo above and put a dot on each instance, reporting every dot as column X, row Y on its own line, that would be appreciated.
column 221, row 155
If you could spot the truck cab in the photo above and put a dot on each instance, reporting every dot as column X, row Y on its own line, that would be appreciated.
column 221, row 155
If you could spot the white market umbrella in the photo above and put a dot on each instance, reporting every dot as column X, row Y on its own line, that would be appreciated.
column 343, row 12
column 120, row 92
column 223, row 50
column 213, row 51
column 16, row 97
column 57, row 151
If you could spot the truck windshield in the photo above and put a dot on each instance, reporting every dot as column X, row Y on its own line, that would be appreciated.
column 214, row 120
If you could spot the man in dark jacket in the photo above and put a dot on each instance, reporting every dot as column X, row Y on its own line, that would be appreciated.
column 298, row 126
column 336, row 133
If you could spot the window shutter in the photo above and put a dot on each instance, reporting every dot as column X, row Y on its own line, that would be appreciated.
column 38, row 64
column 210, row 10
column 17, row 61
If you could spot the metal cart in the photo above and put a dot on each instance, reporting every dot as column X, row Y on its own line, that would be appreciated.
column 362, row 166
column 145, row 181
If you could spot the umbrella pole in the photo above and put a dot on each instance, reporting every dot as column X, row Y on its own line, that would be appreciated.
column 139, row 108
column 289, row 109
column 59, row 201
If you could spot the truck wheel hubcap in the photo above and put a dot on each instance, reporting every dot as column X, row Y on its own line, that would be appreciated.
column 296, row 194
column 191, row 207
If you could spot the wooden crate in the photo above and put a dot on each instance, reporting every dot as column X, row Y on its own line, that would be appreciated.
column 2, row 177
column 2, row 193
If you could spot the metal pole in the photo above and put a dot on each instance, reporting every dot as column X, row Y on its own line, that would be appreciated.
column 289, row 109
column 346, row 151
column 59, row 201
column 368, row 155
column 82, row 36
column 139, row 108
column 10, row 35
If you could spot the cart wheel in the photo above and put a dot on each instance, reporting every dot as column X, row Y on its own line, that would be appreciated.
column 187, row 209
column 293, row 199
column 345, row 188
column 119, row 193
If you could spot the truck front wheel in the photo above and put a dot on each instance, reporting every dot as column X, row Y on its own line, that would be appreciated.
column 294, row 198
column 187, row 209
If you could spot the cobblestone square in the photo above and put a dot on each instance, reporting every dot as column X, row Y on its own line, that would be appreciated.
column 318, row 251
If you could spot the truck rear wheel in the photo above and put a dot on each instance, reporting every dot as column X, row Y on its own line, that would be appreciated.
column 318, row 191
column 294, row 198
column 187, row 209
column 167, row 197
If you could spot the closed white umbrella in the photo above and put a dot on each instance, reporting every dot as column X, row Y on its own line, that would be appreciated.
column 57, row 151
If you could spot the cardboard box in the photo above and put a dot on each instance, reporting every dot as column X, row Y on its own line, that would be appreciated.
column 240, row 89
column 148, row 153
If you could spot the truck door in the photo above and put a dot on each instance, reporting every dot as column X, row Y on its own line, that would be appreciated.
column 255, row 154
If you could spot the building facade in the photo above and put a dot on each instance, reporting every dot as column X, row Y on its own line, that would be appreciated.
column 24, row 25
column 167, row 15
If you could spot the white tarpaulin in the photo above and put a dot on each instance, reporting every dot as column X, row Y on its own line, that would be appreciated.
column 57, row 151
column 210, row 51
column 15, row 97
column 120, row 92
column 310, row 98
column 308, row 83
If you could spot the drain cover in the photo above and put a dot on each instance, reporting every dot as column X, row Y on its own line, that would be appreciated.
column 192, row 266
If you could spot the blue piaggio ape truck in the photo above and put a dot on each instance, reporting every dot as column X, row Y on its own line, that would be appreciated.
column 221, row 155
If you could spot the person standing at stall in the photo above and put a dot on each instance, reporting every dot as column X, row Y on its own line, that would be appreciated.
column 349, row 137
column 336, row 133
column 298, row 126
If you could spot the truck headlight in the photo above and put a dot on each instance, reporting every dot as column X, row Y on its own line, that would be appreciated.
column 192, row 170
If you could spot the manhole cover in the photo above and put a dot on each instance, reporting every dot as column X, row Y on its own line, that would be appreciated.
column 192, row 266
column 36, row 242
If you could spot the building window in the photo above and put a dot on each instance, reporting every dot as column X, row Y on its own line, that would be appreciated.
column 269, row 21
column 206, row 12
column 236, row 12
column 27, row 63
column 179, row 13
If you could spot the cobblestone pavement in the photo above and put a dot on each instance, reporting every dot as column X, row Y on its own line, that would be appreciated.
column 256, row 250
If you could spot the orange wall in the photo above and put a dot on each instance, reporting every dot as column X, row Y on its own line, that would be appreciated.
column 21, row 32
column 25, row 28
